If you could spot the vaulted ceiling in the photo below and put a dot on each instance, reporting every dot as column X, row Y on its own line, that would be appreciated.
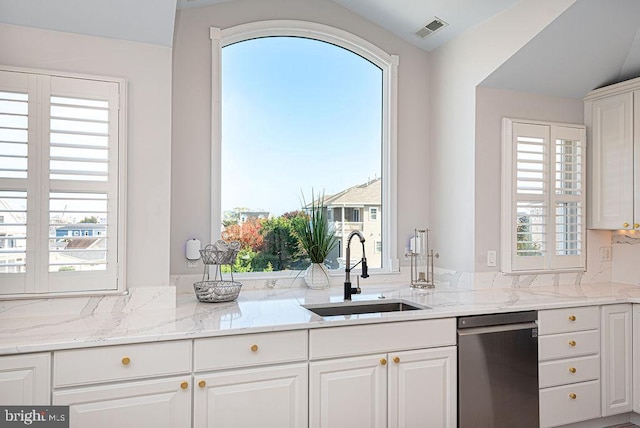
column 593, row 43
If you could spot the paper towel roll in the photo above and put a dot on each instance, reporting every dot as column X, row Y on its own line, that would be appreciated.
column 193, row 249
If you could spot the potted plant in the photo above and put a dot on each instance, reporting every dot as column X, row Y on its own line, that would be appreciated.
column 317, row 239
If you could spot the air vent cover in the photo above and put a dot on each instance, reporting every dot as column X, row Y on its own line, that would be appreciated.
column 431, row 27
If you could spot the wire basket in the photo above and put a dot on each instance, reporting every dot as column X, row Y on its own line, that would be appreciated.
column 220, row 253
column 216, row 291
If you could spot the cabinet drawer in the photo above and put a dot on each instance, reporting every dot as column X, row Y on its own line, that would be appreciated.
column 570, row 370
column 104, row 364
column 567, row 319
column 373, row 338
column 249, row 349
column 557, row 407
column 568, row 345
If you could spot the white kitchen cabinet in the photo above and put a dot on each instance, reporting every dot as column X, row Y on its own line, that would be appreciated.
column 25, row 379
column 616, row 358
column 612, row 116
column 413, row 383
column 569, row 365
column 636, row 358
column 422, row 388
column 348, row 392
column 251, row 380
column 96, row 383
column 159, row 403
column 270, row 397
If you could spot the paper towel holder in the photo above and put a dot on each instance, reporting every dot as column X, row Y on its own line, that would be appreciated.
column 192, row 249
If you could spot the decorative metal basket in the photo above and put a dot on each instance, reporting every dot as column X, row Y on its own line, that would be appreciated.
column 218, row 289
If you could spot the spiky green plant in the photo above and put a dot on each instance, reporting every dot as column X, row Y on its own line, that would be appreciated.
column 316, row 237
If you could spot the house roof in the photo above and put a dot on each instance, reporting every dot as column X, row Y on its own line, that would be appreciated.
column 82, row 226
column 368, row 193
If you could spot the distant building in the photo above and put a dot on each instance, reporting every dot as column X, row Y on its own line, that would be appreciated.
column 357, row 208
column 241, row 215
column 81, row 229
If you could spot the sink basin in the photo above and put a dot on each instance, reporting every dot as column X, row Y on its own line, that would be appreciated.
column 336, row 309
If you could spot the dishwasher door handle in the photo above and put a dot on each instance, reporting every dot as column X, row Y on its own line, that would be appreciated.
column 499, row 328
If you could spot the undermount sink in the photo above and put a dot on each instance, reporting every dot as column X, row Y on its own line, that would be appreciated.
column 336, row 309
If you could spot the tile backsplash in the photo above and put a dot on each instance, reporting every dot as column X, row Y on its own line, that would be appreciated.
column 625, row 255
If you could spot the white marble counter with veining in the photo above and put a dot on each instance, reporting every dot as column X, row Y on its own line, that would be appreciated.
column 280, row 309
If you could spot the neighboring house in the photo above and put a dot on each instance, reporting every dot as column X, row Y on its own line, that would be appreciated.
column 81, row 229
column 241, row 215
column 357, row 208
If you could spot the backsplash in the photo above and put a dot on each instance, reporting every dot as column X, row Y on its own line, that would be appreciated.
column 625, row 252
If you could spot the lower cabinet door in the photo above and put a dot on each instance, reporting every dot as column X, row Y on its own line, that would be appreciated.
column 272, row 397
column 422, row 388
column 25, row 379
column 348, row 392
column 162, row 403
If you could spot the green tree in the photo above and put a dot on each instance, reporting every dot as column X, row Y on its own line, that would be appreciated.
column 525, row 244
column 92, row 219
column 280, row 245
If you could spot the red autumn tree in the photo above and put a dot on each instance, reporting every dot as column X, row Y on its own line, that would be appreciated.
column 247, row 233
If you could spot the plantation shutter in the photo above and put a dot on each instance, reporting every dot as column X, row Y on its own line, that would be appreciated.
column 59, row 168
column 543, row 196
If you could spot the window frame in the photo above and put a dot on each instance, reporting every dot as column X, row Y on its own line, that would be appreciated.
column 551, row 262
column 310, row 30
column 39, row 283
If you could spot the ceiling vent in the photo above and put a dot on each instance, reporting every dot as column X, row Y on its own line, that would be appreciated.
column 431, row 27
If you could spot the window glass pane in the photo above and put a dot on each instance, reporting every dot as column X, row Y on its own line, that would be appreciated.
column 530, row 228
column 313, row 107
column 14, row 134
column 13, row 231
column 78, row 231
column 568, row 228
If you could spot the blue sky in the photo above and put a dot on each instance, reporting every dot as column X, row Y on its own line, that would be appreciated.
column 296, row 114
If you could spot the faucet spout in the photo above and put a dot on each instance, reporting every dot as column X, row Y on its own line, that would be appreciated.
column 348, row 290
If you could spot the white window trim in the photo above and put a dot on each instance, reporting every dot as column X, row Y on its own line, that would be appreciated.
column 122, row 196
column 389, row 65
column 552, row 263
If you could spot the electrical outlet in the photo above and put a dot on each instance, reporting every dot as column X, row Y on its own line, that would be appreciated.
column 192, row 263
column 605, row 254
column 491, row 258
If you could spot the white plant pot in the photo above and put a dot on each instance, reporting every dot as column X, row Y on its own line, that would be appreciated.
column 317, row 276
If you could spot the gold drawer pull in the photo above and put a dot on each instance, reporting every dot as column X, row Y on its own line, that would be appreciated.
column 636, row 225
column 396, row 360
column 184, row 385
column 572, row 343
column 254, row 348
column 572, row 318
column 573, row 396
column 626, row 224
column 126, row 361
column 572, row 369
column 202, row 384
column 383, row 361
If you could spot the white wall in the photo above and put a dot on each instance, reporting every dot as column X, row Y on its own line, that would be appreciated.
column 456, row 69
column 191, row 130
column 491, row 106
column 148, row 71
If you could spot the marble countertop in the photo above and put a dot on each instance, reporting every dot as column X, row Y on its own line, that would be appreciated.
column 280, row 309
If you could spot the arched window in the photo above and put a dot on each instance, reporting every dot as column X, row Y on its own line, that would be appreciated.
column 300, row 107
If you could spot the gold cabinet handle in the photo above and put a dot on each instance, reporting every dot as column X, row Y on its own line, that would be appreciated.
column 573, row 396
column 126, row 361
column 625, row 224
column 572, row 369
column 383, row 361
column 202, row 384
column 254, row 348
column 572, row 343
column 636, row 225
column 572, row 318
column 396, row 360
column 184, row 385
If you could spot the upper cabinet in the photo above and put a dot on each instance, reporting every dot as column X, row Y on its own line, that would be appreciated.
column 612, row 116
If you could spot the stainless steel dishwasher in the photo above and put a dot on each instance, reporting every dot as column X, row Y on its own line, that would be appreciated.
column 498, row 371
